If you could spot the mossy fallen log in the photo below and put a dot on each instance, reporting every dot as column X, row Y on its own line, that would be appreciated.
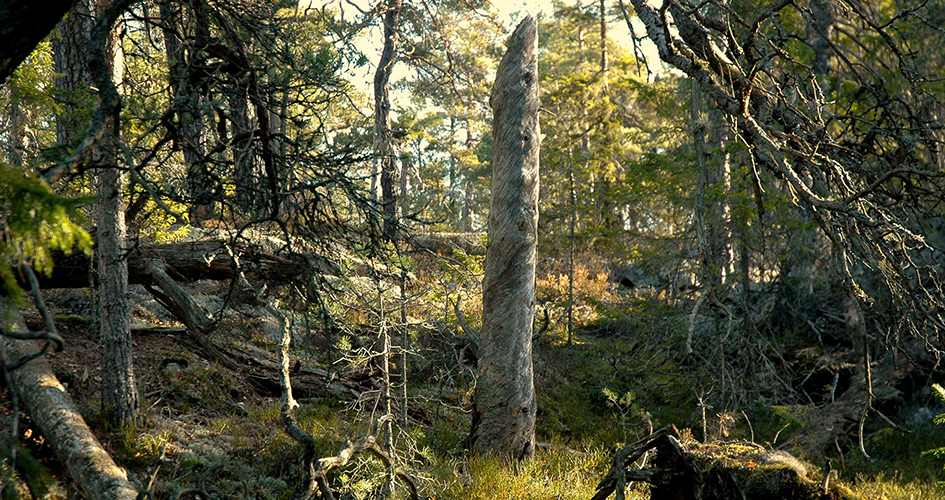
column 687, row 470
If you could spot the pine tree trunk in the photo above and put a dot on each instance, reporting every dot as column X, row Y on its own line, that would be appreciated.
column 383, row 138
column 119, row 393
column 504, row 421
column 72, row 73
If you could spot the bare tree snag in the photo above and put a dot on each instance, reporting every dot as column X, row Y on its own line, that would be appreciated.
column 57, row 418
column 504, row 417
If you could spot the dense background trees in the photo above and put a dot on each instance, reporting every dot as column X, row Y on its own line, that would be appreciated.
column 742, row 212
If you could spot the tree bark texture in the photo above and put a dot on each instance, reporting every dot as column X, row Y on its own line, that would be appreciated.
column 58, row 420
column 119, row 393
column 504, row 421
column 23, row 24
column 383, row 138
column 713, row 181
column 73, row 81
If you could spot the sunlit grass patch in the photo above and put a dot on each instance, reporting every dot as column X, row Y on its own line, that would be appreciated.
column 550, row 475
column 882, row 487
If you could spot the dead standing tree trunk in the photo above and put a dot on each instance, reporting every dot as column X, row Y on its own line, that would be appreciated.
column 504, row 417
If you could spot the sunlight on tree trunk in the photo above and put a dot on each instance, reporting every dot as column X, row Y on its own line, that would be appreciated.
column 57, row 418
column 119, row 393
column 504, row 418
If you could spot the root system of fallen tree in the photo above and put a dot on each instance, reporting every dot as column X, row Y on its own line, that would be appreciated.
column 686, row 470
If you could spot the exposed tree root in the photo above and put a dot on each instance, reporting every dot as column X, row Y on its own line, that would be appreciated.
column 686, row 470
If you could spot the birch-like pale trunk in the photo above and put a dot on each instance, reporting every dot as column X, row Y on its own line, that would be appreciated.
column 504, row 418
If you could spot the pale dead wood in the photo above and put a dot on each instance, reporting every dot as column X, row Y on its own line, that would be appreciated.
column 505, row 404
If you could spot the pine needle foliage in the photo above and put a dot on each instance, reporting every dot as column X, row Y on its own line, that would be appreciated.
column 35, row 222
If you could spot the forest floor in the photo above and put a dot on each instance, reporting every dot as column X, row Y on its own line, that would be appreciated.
column 221, row 438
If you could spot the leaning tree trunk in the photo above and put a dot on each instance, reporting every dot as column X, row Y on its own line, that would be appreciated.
column 504, row 420
column 57, row 418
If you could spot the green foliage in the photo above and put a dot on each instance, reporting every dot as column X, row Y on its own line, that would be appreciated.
column 939, row 419
column 37, row 477
column 35, row 221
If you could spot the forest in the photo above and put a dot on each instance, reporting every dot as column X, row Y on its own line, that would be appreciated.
column 453, row 249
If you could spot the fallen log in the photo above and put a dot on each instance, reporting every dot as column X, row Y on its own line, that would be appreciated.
column 58, row 420
column 193, row 261
column 687, row 470
column 446, row 243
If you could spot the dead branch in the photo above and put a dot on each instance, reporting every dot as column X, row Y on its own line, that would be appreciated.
column 616, row 478
column 318, row 479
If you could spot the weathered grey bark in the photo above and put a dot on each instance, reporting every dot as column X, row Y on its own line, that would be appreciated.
column 504, row 420
column 710, row 212
column 119, row 392
column 58, row 420
column 383, row 137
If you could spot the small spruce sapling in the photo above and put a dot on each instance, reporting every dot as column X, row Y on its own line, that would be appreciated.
column 939, row 419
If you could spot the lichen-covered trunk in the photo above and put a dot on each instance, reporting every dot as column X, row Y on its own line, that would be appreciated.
column 119, row 392
column 504, row 421
column 58, row 420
